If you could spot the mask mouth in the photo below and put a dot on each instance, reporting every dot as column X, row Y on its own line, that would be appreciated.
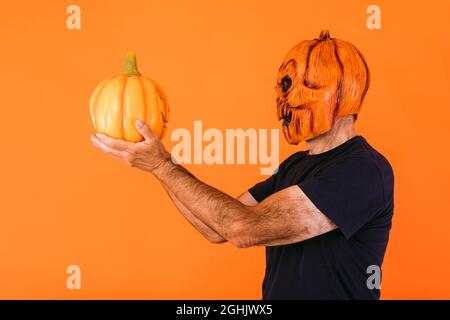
column 286, row 113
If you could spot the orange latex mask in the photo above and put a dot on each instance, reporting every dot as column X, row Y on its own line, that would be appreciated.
column 319, row 81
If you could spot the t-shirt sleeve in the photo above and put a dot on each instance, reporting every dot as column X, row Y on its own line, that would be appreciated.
column 263, row 189
column 350, row 193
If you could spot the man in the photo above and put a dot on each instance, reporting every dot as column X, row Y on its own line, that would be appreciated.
column 325, row 215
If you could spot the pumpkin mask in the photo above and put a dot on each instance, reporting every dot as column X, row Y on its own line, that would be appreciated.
column 319, row 81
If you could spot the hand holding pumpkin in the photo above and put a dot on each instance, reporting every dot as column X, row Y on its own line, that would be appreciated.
column 115, row 104
column 146, row 155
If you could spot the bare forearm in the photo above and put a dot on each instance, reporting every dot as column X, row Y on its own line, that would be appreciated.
column 206, row 231
column 274, row 221
column 214, row 208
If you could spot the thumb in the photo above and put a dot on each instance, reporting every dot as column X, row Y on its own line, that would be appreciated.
column 143, row 129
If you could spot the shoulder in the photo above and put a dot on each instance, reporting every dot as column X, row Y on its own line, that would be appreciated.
column 363, row 156
column 378, row 161
column 292, row 159
column 353, row 168
column 365, row 165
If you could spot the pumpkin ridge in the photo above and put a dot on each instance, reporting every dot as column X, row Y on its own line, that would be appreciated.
column 93, row 107
column 366, row 87
column 108, row 105
column 144, row 95
column 339, row 88
column 163, row 99
column 123, row 116
column 310, row 49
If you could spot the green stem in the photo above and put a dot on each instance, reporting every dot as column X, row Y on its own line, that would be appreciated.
column 324, row 35
column 130, row 67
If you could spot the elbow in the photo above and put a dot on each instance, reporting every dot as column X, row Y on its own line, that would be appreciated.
column 213, row 238
column 240, row 244
column 216, row 240
column 237, row 236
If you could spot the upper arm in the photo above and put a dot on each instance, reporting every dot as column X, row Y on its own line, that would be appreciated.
column 285, row 217
column 350, row 192
column 345, row 195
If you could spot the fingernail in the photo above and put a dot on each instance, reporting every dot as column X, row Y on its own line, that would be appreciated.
column 139, row 123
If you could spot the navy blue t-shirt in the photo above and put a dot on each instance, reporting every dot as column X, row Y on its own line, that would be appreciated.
column 353, row 185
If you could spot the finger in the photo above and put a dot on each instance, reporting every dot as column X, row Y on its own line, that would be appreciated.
column 144, row 129
column 99, row 144
column 113, row 143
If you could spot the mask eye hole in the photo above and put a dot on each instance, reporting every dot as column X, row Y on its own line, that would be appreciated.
column 286, row 83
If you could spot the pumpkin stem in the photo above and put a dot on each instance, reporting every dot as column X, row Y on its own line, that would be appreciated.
column 130, row 67
column 324, row 35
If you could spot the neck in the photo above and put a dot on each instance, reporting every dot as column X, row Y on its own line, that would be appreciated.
column 343, row 130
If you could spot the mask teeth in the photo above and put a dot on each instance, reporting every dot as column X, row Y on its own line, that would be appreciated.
column 281, row 110
column 287, row 118
column 285, row 110
column 294, row 120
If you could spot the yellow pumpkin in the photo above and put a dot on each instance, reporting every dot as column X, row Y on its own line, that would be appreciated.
column 117, row 102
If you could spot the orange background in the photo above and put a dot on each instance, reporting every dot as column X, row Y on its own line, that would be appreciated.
column 63, row 202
